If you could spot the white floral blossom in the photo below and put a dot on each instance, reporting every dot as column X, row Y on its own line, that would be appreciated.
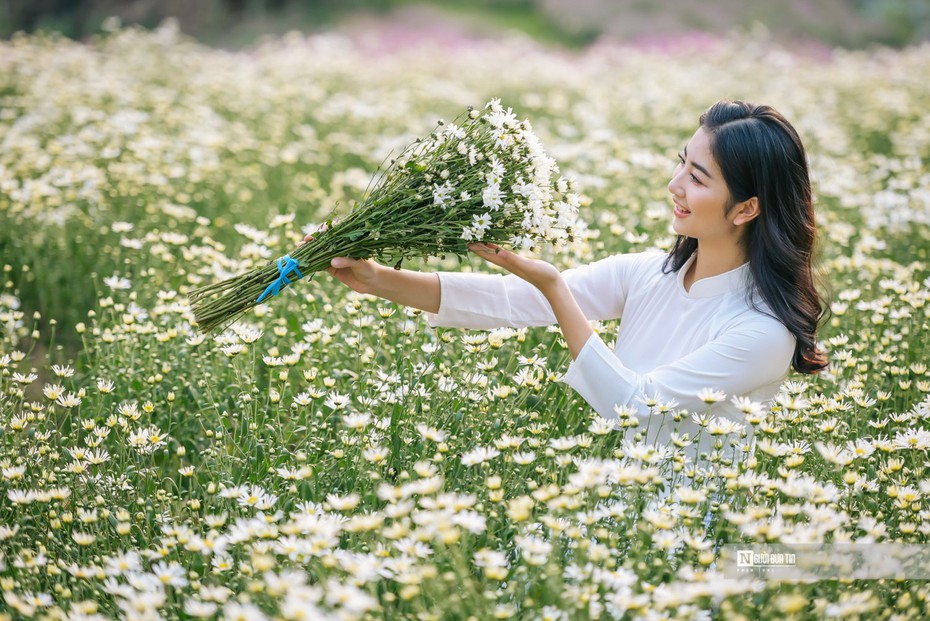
column 117, row 282
column 442, row 194
column 146, row 439
column 492, row 197
column 479, row 455
column 481, row 223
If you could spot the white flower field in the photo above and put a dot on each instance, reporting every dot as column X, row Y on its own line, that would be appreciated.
column 331, row 456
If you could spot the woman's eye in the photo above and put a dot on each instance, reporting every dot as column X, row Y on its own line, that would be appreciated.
column 695, row 179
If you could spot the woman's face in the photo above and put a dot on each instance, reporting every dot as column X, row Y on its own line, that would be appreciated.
column 700, row 194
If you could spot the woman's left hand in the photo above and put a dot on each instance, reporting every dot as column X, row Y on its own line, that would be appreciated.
column 538, row 273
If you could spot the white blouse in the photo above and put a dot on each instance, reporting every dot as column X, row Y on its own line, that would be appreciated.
column 672, row 343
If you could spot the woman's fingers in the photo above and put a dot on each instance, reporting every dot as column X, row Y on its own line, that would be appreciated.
column 485, row 247
column 309, row 237
column 492, row 253
column 358, row 274
column 341, row 262
column 361, row 269
column 534, row 271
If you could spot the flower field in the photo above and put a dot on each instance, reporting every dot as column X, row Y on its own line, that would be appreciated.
column 331, row 456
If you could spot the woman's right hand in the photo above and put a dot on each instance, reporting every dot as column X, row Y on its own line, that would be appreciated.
column 359, row 274
column 417, row 289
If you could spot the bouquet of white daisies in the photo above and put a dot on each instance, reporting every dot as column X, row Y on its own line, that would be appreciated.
column 483, row 177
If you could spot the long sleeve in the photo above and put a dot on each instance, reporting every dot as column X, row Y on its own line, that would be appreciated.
column 749, row 359
column 487, row 301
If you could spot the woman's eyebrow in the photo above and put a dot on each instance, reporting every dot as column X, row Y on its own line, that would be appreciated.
column 698, row 166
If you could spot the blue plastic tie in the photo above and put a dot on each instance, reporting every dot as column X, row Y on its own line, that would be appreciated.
column 286, row 265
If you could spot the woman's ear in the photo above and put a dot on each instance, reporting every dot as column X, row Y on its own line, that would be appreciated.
column 746, row 211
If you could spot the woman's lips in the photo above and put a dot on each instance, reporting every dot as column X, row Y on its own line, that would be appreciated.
column 680, row 211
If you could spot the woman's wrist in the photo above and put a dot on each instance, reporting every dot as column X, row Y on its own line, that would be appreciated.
column 555, row 288
column 572, row 321
column 378, row 281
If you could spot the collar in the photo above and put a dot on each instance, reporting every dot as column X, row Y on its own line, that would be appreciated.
column 733, row 281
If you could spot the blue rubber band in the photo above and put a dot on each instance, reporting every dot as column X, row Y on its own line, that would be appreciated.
column 286, row 265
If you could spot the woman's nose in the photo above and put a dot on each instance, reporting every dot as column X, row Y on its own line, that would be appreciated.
column 674, row 185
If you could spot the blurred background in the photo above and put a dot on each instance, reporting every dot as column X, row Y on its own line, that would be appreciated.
column 574, row 24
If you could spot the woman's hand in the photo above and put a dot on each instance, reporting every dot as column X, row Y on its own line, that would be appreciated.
column 542, row 275
column 359, row 274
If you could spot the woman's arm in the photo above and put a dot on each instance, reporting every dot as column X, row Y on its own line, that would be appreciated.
column 416, row 289
column 485, row 301
column 544, row 276
column 422, row 290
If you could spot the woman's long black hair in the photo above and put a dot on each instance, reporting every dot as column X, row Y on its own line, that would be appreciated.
column 761, row 155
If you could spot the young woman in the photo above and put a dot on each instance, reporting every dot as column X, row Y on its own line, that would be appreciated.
column 729, row 309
